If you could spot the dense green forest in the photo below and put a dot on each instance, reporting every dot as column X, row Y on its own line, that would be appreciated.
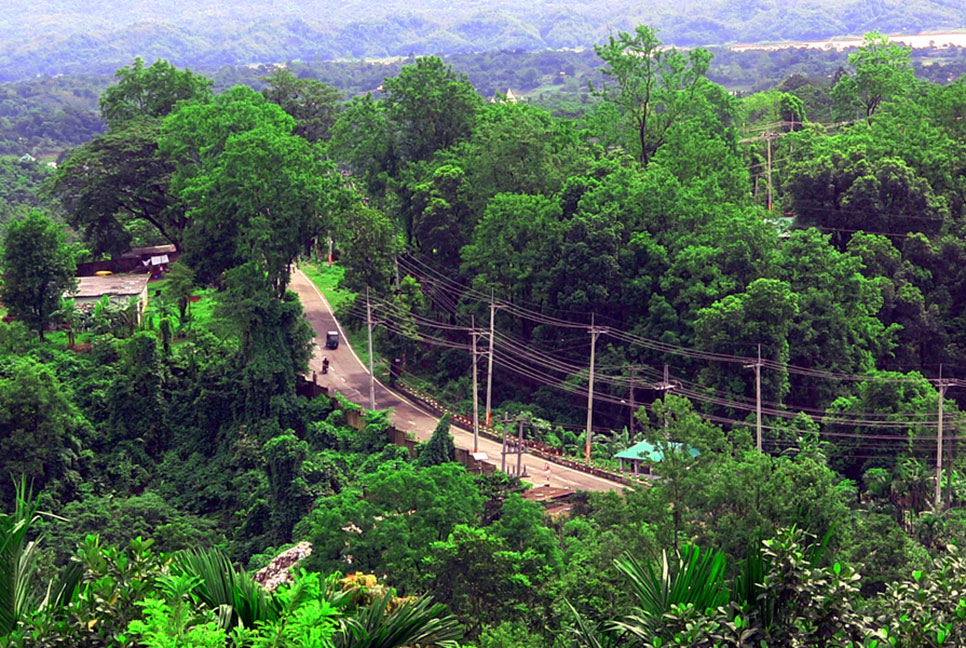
column 70, row 38
column 810, row 235
column 46, row 115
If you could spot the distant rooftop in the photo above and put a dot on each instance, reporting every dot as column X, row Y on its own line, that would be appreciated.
column 153, row 250
column 117, row 285
column 648, row 452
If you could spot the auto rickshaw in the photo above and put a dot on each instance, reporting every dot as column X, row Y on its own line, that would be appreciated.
column 332, row 340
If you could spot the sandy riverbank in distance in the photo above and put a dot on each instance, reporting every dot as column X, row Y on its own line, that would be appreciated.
column 917, row 41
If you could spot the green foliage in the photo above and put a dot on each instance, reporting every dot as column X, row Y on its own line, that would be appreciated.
column 368, row 243
column 883, row 72
column 361, row 140
column 18, row 559
column 180, row 285
column 255, row 193
column 403, row 511
column 232, row 595
column 654, row 86
column 284, row 456
column 120, row 181
column 440, row 447
column 107, row 592
column 419, row 622
column 38, row 268
column 41, row 430
column 430, row 108
column 119, row 520
column 313, row 104
column 932, row 613
column 697, row 581
column 173, row 625
column 199, row 430
column 152, row 91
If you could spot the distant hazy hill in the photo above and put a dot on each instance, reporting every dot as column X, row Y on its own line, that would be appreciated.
column 71, row 36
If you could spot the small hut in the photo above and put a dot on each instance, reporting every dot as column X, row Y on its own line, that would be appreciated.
column 641, row 456
column 120, row 289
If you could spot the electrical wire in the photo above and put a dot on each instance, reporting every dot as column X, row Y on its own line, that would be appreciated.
column 666, row 348
column 511, row 362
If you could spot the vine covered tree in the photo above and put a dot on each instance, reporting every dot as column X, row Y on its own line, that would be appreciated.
column 440, row 448
column 38, row 268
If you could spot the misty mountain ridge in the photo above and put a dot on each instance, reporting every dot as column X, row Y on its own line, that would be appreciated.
column 70, row 36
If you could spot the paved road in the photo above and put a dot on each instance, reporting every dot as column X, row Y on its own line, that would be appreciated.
column 350, row 377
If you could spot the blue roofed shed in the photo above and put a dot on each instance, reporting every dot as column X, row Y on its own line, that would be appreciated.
column 641, row 456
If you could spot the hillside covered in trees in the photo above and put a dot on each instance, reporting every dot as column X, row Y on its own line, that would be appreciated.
column 773, row 284
column 56, row 38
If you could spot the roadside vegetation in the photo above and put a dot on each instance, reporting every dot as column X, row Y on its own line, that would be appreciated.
column 773, row 286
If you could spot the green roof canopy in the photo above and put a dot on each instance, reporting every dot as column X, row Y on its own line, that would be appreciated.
column 646, row 451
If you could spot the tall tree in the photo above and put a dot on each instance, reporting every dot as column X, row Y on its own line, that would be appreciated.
column 361, row 142
column 430, row 107
column 882, row 72
column 443, row 220
column 519, row 148
column 654, row 86
column 511, row 244
column 119, row 182
column 253, row 190
column 313, row 104
column 38, row 268
column 152, row 91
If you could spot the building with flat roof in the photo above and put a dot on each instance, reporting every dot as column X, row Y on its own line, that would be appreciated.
column 118, row 288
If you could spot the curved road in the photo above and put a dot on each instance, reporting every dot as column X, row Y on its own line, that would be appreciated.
column 350, row 377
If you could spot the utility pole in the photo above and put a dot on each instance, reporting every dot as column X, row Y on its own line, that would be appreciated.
column 941, row 385
column 489, row 362
column 372, row 375
column 503, row 452
column 513, row 447
column 476, row 392
column 949, row 471
column 768, row 137
column 594, row 333
column 757, row 367
column 630, row 422
column 664, row 388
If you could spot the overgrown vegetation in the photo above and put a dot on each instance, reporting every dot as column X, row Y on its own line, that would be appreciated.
column 174, row 454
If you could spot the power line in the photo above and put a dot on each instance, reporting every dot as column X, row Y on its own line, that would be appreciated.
column 512, row 363
column 667, row 348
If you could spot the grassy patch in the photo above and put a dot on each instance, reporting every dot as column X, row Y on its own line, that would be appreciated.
column 327, row 280
column 200, row 312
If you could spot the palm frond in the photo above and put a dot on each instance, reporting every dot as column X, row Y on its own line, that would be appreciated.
column 18, row 558
column 417, row 623
column 586, row 635
column 698, row 579
column 234, row 595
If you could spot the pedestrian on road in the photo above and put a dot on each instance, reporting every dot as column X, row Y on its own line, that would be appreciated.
column 546, row 469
